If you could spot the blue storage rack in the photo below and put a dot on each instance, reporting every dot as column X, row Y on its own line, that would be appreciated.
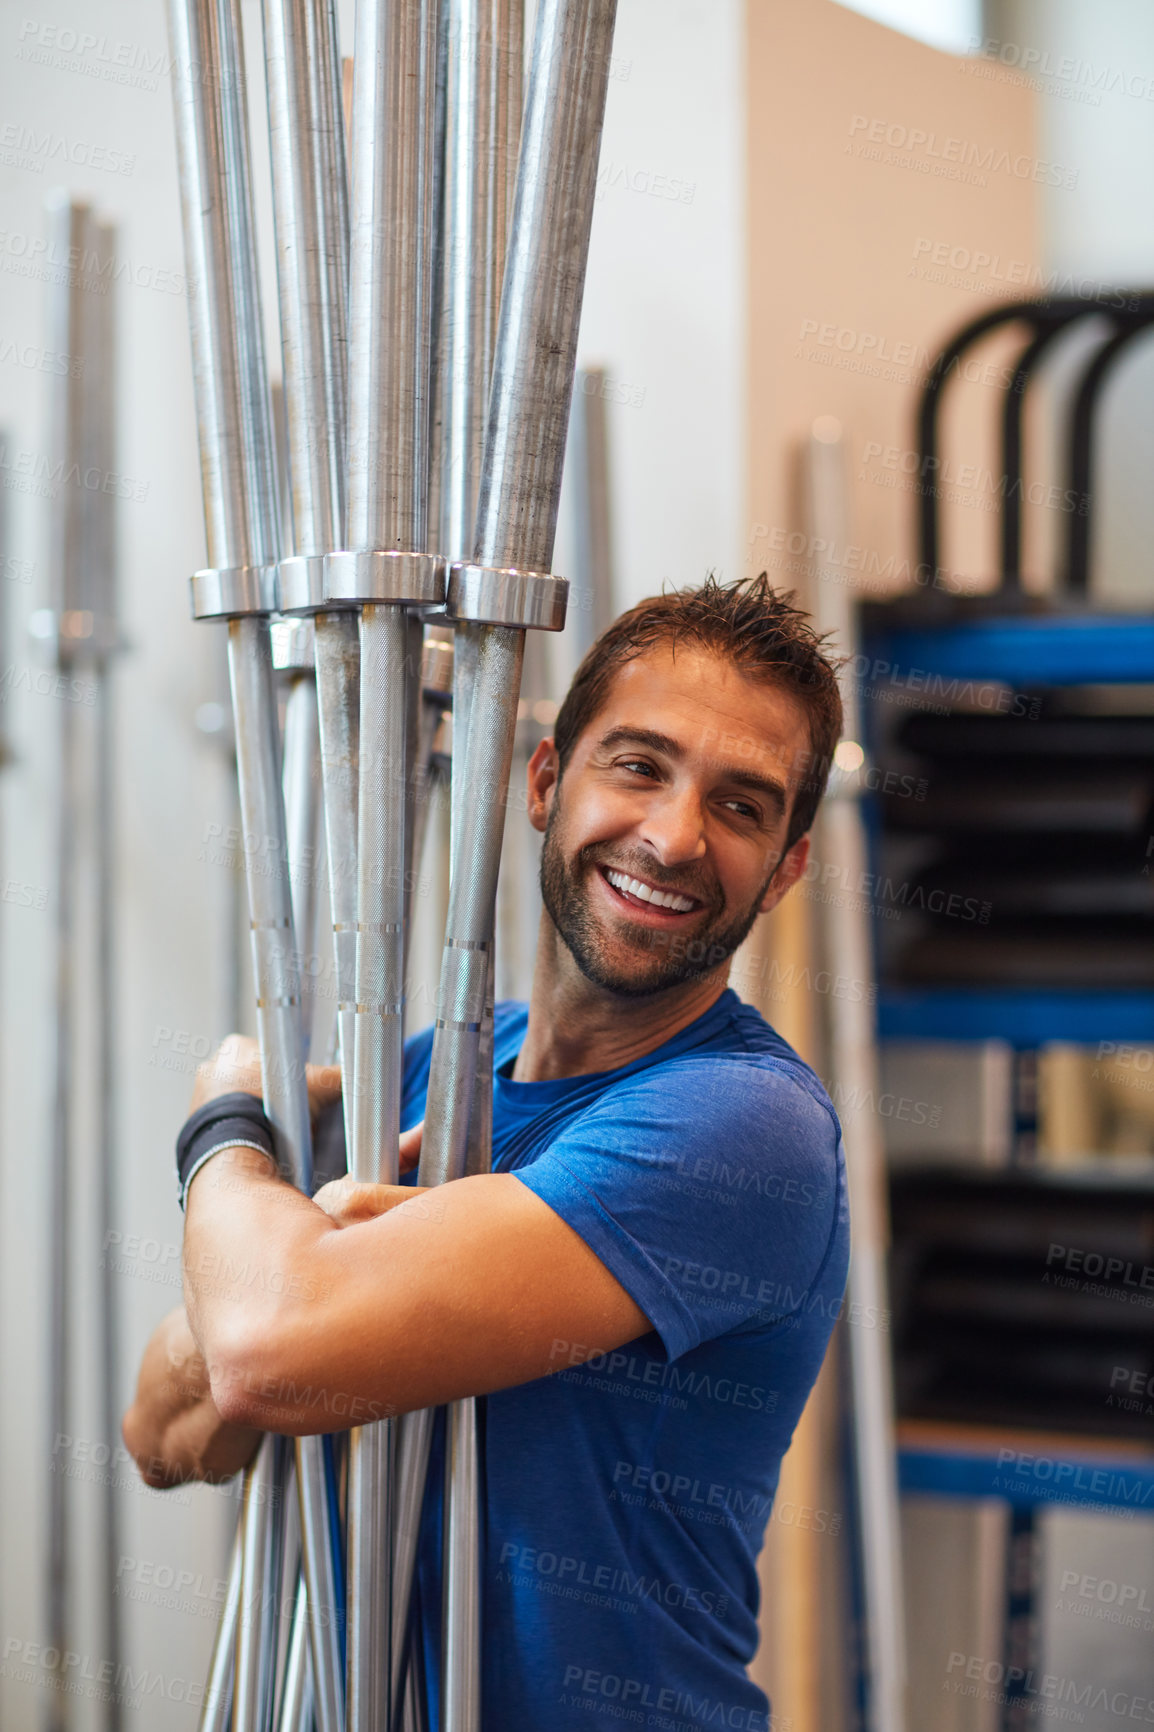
column 1027, row 1472
column 1022, row 1018
column 1023, row 652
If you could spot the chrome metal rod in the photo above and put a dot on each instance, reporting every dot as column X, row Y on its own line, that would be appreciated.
column 377, row 1079
column 852, row 1060
column 318, row 1683
column 69, row 228
column 338, row 656
column 394, row 68
column 517, row 502
column 414, row 1437
column 853, row 1063
column 232, row 400
column 310, row 200
column 482, row 54
column 100, row 369
column 282, row 1059
column 241, row 520
column 461, row 1656
column 60, row 1355
column 386, row 557
column 258, row 1616
column 485, row 95
column 518, row 495
column 591, row 595
column 301, row 799
column 436, row 698
column 483, row 78
column 216, row 1714
column 297, row 1705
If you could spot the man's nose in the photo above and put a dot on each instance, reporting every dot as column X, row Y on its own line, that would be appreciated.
column 674, row 826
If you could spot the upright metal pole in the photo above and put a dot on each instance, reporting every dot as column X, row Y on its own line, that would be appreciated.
column 486, row 92
column 298, row 1704
column 503, row 590
column 853, row 1065
column 482, row 55
column 100, row 418
column 588, row 461
column 241, row 518
column 70, row 233
column 385, row 570
column 293, row 653
column 310, row 200
column 216, row 1715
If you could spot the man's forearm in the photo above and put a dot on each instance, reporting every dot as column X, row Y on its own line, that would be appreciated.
column 249, row 1243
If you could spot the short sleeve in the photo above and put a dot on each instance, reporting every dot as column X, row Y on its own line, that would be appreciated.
column 711, row 1189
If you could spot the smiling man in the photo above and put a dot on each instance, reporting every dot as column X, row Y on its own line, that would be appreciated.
column 645, row 1285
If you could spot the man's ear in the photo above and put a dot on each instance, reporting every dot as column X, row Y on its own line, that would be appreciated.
column 792, row 865
column 543, row 775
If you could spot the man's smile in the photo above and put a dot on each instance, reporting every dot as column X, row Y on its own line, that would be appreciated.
column 661, row 907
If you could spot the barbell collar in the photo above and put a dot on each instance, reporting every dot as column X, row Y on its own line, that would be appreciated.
column 384, row 575
column 233, row 592
column 493, row 595
column 301, row 583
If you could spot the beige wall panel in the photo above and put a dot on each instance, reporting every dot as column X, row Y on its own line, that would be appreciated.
column 893, row 194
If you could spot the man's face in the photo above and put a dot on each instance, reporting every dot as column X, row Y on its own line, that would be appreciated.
column 664, row 839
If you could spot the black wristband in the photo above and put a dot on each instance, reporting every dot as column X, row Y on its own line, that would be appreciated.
column 227, row 1122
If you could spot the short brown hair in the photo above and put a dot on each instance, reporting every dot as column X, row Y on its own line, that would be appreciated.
column 763, row 633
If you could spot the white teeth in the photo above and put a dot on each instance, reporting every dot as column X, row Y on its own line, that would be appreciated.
column 646, row 893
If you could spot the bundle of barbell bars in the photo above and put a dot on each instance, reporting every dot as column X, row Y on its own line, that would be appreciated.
column 428, row 331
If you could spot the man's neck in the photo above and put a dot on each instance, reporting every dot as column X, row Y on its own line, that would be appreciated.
column 577, row 1028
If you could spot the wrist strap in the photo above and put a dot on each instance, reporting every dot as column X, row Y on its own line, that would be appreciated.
column 229, row 1122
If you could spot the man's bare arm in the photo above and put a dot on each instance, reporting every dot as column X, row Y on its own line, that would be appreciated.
column 309, row 1326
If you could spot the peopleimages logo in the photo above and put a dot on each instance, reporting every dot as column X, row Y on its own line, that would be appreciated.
column 608, row 1693
column 688, row 1489
column 607, row 1579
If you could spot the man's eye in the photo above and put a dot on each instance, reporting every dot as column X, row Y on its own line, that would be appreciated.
column 744, row 808
column 636, row 764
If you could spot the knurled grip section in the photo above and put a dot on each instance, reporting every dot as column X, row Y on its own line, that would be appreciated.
column 380, row 950
column 464, row 975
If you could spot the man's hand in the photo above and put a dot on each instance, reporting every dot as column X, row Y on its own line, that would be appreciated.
column 349, row 1203
column 173, row 1429
column 234, row 1068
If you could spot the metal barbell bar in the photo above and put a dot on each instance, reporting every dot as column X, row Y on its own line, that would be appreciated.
column 241, row 518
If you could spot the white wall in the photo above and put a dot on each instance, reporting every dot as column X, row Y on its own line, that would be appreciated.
column 665, row 297
column 948, row 24
column 664, row 311
column 170, row 785
column 1093, row 70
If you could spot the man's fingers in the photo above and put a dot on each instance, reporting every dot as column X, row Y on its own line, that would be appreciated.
column 348, row 1203
column 411, row 1147
column 324, row 1085
column 235, row 1065
column 331, row 1197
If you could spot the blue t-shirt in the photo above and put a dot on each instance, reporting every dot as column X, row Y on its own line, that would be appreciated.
column 626, row 1495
